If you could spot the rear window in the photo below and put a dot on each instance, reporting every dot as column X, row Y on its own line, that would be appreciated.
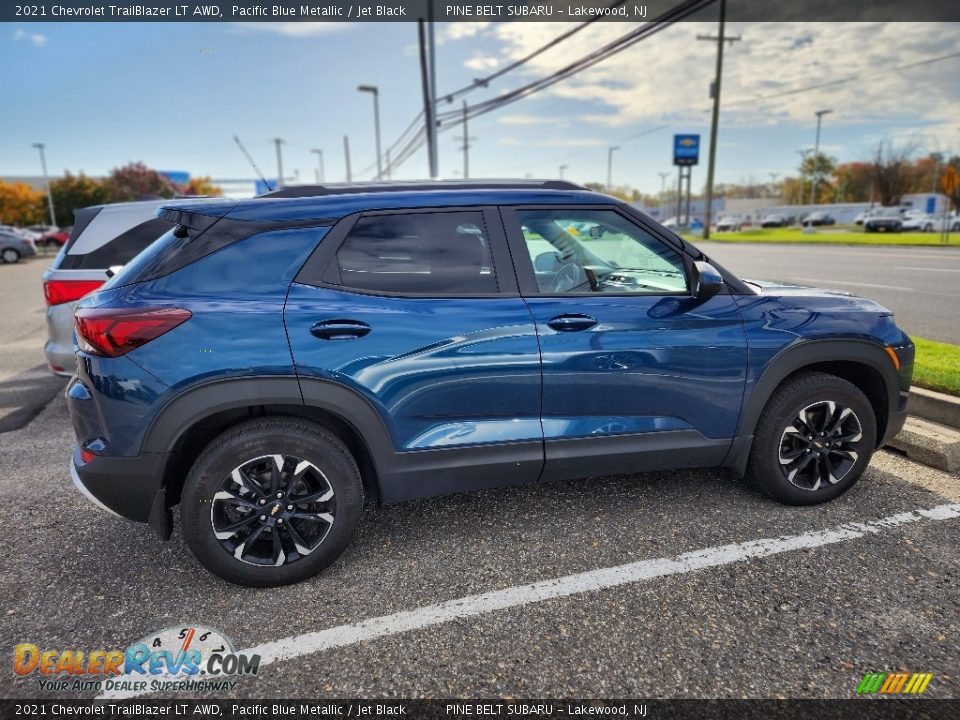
column 118, row 251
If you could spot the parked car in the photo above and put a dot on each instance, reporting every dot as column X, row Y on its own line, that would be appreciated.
column 103, row 236
column 55, row 238
column 919, row 222
column 729, row 224
column 41, row 230
column 14, row 246
column 889, row 220
column 817, row 219
column 269, row 363
column 775, row 221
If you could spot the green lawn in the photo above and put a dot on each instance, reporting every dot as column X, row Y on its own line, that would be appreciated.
column 831, row 236
column 937, row 366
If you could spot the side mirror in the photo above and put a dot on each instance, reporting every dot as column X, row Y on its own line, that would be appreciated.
column 707, row 281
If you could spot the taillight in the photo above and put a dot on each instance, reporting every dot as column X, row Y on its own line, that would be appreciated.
column 116, row 331
column 58, row 292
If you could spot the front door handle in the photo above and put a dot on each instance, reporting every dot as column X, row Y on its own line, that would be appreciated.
column 339, row 329
column 571, row 323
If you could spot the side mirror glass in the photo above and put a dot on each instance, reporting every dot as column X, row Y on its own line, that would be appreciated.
column 707, row 280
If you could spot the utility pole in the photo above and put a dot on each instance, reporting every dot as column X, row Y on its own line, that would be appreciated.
column 46, row 181
column 432, row 129
column 720, row 39
column 387, row 170
column 375, row 91
column 816, row 157
column 428, row 100
column 346, row 157
column 773, row 181
column 610, row 165
column 663, row 188
column 279, row 142
column 562, row 168
column 320, row 173
column 466, row 144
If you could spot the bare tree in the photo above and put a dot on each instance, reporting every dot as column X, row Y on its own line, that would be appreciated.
column 892, row 171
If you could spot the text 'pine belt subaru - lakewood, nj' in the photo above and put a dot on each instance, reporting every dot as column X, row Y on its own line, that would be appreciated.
column 267, row 364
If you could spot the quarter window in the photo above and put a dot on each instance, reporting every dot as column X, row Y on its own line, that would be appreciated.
column 598, row 251
column 420, row 253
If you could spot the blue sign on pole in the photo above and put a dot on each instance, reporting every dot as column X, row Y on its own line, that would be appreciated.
column 686, row 149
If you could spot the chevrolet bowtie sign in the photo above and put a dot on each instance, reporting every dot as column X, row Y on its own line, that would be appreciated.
column 686, row 149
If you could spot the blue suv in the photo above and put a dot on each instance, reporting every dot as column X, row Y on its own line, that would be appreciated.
column 270, row 363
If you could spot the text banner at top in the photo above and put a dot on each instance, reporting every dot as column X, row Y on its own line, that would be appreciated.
column 463, row 11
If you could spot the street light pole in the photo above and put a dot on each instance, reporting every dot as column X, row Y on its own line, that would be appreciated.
column 279, row 142
column 803, row 176
column 46, row 181
column 346, row 157
column 320, row 172
column 562, row 168
column 376, row 122
column 816, row 156
column 610, row 166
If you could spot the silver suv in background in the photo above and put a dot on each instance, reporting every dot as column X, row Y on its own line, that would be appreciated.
column 103, row 236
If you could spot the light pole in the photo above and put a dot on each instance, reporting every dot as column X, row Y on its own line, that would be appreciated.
column 610, row 165
column 320, row 173
column 279, row 142
column 562, row 168
column 816, row 157
column 372, row 89
column 46, row 181
column 803, row 157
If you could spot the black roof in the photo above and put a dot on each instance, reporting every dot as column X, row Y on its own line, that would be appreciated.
column 292, row 191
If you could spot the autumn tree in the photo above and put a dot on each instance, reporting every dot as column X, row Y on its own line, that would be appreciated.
column 20, row 204
column 75, row 191
column 135, row 181
column 852, row 182
column 892, row 171
column 201, row 186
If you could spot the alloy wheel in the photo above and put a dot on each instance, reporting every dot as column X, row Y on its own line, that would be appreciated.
column 273, row 510
column 820, row 445
column 10, row 256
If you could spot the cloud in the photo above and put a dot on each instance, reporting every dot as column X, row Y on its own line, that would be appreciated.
column 666, row 77
column 460, row 30
column 524, row 120
column 292, row 29
column 36, row 39
column 482, row 62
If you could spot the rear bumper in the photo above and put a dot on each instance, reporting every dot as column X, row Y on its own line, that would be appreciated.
column 128, row 487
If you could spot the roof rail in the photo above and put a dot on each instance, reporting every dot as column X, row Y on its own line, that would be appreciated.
column 294, row 191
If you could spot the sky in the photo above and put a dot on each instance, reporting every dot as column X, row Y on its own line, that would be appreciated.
column 173, row 96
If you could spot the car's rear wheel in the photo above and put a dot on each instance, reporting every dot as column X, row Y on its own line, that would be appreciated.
column 10, row 255
column 814, row 439
column 271, row 502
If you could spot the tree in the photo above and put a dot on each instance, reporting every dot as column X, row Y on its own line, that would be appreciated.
column 201, row 186
column 20, row 204
column 135, row 181
column 75, row 191
column 950, row 181
column 893, row 172
column 853, row 181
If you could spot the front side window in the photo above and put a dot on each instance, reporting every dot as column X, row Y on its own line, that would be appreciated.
column 422, row 253
column 597, row 251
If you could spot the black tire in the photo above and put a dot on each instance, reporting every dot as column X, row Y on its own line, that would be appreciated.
column 256, row 441
column 10, row 255
column 811, row 392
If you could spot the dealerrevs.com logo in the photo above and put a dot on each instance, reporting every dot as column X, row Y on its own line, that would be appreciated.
column 191, row 658
column 894, row 683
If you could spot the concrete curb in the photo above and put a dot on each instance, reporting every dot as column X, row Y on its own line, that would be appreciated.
column 929, row 443
column 935, row 406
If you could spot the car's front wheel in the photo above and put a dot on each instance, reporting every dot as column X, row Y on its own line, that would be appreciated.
column 271, row 502
column 814, row 439
column 9, row 255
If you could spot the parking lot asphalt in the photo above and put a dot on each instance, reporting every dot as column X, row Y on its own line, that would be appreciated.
column 920, row 284
column 570, row 589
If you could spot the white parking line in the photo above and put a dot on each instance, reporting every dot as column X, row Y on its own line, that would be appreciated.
column 474, row 605
column 927, row 269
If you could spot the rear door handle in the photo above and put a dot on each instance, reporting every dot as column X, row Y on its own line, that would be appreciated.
column 571, row 323
column 339, row 329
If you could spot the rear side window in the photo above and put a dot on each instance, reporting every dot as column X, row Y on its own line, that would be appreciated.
column 419, row 253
